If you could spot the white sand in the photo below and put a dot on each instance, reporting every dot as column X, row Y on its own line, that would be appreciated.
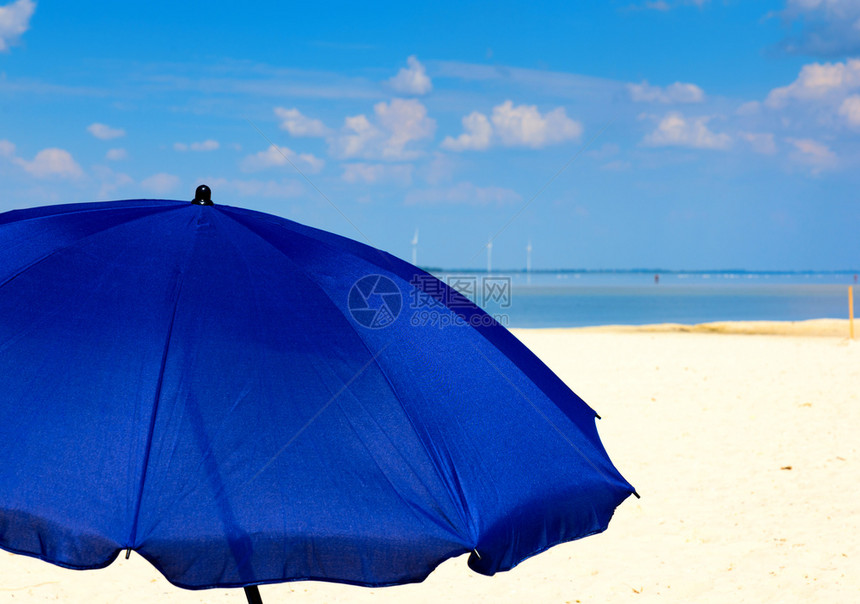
column 705, row 426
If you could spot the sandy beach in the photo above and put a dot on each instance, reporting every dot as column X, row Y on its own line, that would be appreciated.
column 742, row 441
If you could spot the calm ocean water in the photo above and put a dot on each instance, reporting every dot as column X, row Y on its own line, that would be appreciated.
column 575, row 299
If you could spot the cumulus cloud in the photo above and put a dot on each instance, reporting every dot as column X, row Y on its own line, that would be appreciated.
column 116, row 154
column 476, row 136
column 463, row 193
column 51, row 163
column 48, row 163
column 355, row 137
column 524, row 125
column 297, row 124
column 396, row 126
column 14, row 21
column 513, row 126
column 823, row 27
column 105, row 132
column 674, row 93
column 281, row 156
column 160, row 183
column 816, row 155
column 675, row 130
column 406, row 121
column 760, row 142
column 817, row 82
column 412, row 79
column 207, row 145
column 850, row 110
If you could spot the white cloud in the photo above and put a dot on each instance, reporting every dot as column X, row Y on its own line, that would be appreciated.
column 279, row 157
column 850, row 110
column 116, row 154
column 405, row 120
column 7, row 148
column 412, row 79
column 373, row 173
column 818, row 81
column 524, row 125
column 674, row 93
column 249, row 188
column 678, row 131
column 761, row 142
column 160, row 183
column 358, row 133
column 817, row 156
column 105, row 132
column 51, row 163
column 297, row 124
column 476, row 136
column 520, row 125
column 14, row 21
column 48, row 163
column 207, row 145
column 397, row 124
column 463, row 193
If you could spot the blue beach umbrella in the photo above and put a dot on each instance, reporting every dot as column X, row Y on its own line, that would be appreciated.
column 242, row 400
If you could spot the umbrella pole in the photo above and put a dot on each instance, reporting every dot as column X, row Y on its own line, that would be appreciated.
column 252, row 592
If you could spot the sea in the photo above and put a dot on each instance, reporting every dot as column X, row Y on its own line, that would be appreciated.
column 639, row 297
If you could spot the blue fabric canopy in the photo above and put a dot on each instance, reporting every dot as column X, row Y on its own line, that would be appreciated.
column 242, row 399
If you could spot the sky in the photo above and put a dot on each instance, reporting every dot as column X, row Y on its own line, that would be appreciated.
column 673, row 134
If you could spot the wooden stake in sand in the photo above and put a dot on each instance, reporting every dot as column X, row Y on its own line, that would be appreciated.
column 851, row 312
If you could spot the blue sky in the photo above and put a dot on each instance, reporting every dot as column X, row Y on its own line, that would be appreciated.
column 680, row 134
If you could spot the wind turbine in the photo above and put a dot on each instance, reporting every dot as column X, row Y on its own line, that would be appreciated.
column 415, row 249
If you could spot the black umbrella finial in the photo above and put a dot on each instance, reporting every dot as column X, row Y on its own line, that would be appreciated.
column 203, row 196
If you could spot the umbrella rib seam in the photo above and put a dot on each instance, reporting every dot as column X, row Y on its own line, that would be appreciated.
column 155, row 406
column 71, row 244
column 374, row 358
column 600, row 471
column 66, row 212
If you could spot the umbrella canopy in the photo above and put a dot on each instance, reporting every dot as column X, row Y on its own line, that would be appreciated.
column 242, row 399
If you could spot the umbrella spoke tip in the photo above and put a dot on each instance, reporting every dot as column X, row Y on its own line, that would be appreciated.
column 203, row 196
